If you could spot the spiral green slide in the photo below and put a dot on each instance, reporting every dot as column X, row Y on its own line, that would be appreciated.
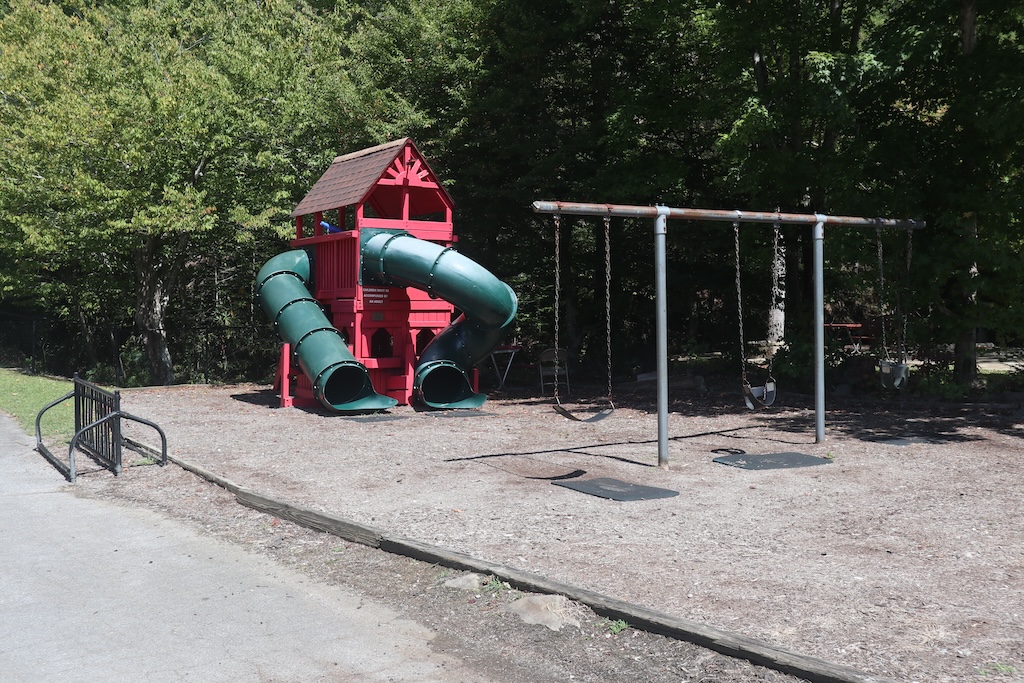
column 488, row 306
column 340, row 382
column 397, row 259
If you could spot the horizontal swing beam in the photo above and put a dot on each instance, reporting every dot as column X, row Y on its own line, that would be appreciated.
column 771, row 217
column 661, row 214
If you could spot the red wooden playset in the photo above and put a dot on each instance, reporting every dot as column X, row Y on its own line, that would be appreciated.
column 377, row 228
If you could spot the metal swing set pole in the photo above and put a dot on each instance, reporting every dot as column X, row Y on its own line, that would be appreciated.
column 661, row 214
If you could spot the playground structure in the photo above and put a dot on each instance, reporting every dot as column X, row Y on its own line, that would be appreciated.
column 661, row 214
column 364, row 302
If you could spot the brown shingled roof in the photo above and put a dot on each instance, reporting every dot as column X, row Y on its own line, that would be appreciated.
column 351, row 178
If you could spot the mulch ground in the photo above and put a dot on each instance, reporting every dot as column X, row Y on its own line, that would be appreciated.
column 899, row 554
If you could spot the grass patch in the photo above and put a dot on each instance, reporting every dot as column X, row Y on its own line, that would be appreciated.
column 615, row 627
column 495, row 586
column 996, row 669
column 22, row 396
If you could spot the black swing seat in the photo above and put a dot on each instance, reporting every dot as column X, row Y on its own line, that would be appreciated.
column 596, row 417
column 892, row 374
column 759, row 397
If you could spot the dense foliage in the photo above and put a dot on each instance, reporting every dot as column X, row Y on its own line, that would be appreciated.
column 152, row 152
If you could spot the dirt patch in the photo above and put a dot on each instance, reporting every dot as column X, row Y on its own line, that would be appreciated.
column 900, row 556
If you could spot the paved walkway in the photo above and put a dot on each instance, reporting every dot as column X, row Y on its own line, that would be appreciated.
column 94, row 592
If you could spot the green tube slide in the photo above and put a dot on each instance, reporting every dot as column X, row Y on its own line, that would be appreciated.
column 340, row 382
column 488, row 306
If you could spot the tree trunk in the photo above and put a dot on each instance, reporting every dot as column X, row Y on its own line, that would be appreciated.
column 150, row 310
column 968, row 26
column 965, row 351
column 115, row 352
column 88, row 339
column 794, row 251
column 965, row 355
column 149, row 316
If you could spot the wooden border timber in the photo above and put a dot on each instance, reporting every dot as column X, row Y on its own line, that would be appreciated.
column 311, row 519
column 719, row 640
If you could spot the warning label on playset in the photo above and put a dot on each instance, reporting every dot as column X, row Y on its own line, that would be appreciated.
column 375, row 295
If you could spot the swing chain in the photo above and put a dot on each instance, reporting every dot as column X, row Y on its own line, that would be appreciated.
column 607, row 307
column 739, row 301
column 608, row 297
column 881, row 291
column 778, row 251
column 558, row 290
column 906, row 289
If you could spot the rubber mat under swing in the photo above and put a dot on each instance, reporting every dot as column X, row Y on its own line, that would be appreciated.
column 770, row 461
column 613, row 489
column 908, row 440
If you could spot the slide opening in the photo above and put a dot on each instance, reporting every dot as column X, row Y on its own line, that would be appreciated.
column 445, row 385
column 345, row 384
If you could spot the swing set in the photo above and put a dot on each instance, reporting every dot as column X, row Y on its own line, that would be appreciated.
column 763, row 395
column 557, row 356
column 893, row 373
column 757, row 394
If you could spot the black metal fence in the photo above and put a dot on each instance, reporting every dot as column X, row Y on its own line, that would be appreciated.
column 93, row 406
column 98, row 434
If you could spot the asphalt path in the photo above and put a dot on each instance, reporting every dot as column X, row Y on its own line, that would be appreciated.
column 90, row 591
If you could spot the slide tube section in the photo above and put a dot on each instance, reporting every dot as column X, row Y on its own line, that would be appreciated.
column 340, row 382
column 488, row 308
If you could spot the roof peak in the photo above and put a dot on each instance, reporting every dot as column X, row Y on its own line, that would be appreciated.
column 359, row 176
column 372, row 150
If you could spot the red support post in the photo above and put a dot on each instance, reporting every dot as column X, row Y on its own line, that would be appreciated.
column 283, row 379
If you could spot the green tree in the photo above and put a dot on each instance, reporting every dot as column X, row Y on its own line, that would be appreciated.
column 152, row 151
column 946, row 138
column 148, row 145
column 588, row 102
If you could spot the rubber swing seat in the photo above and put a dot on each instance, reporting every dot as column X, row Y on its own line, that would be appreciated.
column 759, row 397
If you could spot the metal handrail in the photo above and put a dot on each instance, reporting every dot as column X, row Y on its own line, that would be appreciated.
column 67, row 470
column 117, row 414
